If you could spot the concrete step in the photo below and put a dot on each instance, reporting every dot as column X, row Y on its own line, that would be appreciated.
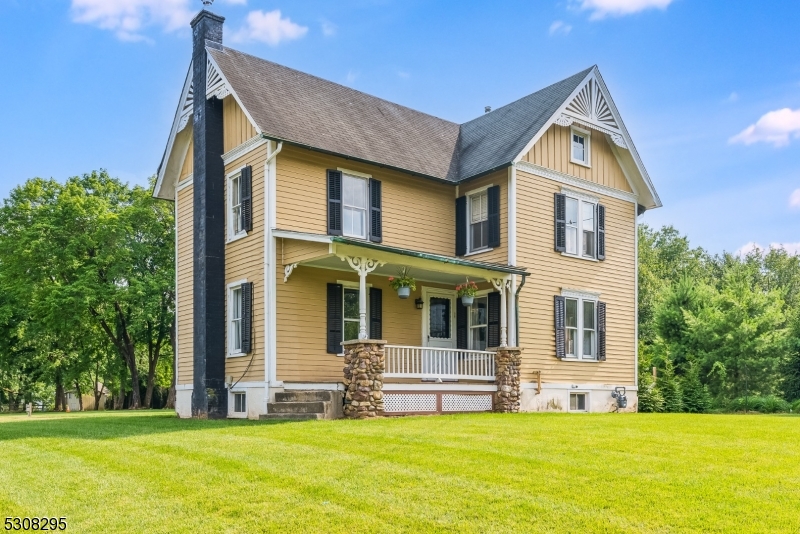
column 307, row 396
column 291, row 416
column 317, row 407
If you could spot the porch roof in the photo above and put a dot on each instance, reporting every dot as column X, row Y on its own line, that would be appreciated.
column 422, row 262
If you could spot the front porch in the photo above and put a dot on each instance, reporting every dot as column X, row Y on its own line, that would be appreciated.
column 425, row 354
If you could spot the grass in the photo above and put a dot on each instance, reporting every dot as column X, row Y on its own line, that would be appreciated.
column 151, row 472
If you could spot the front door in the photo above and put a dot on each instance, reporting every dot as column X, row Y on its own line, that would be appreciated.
column 439, row 318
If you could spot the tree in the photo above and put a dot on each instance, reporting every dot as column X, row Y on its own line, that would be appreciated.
column 695, row 394
column 91, row 257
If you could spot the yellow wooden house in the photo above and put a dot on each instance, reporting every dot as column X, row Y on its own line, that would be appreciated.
column 297, row 200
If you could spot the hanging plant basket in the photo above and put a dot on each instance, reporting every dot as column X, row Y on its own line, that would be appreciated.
column 467, row 292
column 403, row 283
column 466, row 300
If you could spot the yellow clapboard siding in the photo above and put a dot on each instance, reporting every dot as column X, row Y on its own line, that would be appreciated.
column 236, row 126
column 244, row 260
column 417, row 213
column 552, row 150
column 614, row 278
column 185, row 290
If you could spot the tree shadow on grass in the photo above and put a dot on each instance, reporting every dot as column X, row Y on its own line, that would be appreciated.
column 114, row 425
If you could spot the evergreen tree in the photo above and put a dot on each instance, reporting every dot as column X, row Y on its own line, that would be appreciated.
column 650, row 397
column 670, row 388
column 695, row 395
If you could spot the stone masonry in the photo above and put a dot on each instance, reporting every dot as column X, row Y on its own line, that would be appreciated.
column 365, row 362
column 507, row 363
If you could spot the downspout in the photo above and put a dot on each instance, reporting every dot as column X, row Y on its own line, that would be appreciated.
column 516, row 309
column 270, row 300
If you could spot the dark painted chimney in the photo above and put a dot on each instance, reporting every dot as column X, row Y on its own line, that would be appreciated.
column 209, row 394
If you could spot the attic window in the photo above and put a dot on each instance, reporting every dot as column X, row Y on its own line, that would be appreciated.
column 581, row 147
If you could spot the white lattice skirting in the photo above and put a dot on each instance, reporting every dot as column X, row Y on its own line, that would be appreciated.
column 452, row 402
column 429, row 402
column 409, row 402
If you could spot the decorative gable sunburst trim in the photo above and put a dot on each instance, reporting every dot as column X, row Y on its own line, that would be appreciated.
column 590, row 104
column 187, row 108
column 616, row 137
column 573, row 181
column 216, row 85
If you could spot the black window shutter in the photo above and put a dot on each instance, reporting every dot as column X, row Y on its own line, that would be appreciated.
column 560, row 307
column 375, row 217
column 246, row 185
column 461, row 226
column 461, row 326
column 334, row 204
column 601, row 331
column 493, row 320
column 247, row 317
column 494, row 216
column 601, row 232
column 560, row 222
column 375, row 313
column 335, row 319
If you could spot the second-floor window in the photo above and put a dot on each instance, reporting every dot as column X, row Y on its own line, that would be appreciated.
column 580, row 225
column 354, row 206
column 580, row 146
column 236, row 205
column 240, row 203
column 478, row 221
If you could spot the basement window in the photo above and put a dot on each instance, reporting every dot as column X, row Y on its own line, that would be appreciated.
column 239, row 402
column 577, row 402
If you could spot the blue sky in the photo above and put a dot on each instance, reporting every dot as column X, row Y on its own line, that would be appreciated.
column 709, row 90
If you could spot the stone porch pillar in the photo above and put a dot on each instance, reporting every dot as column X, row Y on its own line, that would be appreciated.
column 365, row 362
column 507, row 364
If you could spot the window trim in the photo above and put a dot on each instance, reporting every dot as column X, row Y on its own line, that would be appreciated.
column 348, row 284
column 230, row 177
column 581, row 198
column 586, row 400
column 484, row 293
column 587, row 135
column 581, row 297
column 366, row 178
column 480, row 190
column 232, row 413
column 229, row 319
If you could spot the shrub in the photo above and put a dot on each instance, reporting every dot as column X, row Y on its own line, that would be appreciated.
column 670, row 388
column 650, row 397
column 695, row 395
column 768, row 404
column 796, row 406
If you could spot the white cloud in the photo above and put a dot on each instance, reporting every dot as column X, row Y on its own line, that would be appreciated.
column 328, row 28
column 733, row 97
column 747, row 248
column 794, row 199
column 558, row 26
column 352, row 76
column 775, row 127
column 269, row 28
column 403, row 74
column 617, row 8
column 127, row 18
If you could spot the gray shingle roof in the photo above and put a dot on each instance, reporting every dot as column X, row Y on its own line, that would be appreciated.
column 299, row 108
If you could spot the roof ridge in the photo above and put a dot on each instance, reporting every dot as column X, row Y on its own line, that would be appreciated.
column 227, row 48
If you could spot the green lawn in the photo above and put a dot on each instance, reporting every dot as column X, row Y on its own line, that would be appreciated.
column 151, row 472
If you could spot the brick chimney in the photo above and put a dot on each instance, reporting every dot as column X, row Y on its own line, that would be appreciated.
column 209, row 393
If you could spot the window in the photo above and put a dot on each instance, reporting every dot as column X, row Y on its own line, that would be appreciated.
column 439, row 321
column 478, row 323
column 581, row 329
column 580, row 146
column 577, row 402
column 236, row 205
column 580, row 228
column 235, row 321
column 351, row 316
column 239, row 402
column 354, row 206
column 479, row 221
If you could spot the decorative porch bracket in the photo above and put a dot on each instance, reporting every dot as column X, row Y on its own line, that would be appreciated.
column 503, row 286
column 363, row 266
column 287, row 271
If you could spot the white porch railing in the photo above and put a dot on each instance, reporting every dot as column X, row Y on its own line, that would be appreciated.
column 432, row 363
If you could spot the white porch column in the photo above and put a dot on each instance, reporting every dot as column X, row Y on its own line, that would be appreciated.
column 502, row 287
column 363, row 266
